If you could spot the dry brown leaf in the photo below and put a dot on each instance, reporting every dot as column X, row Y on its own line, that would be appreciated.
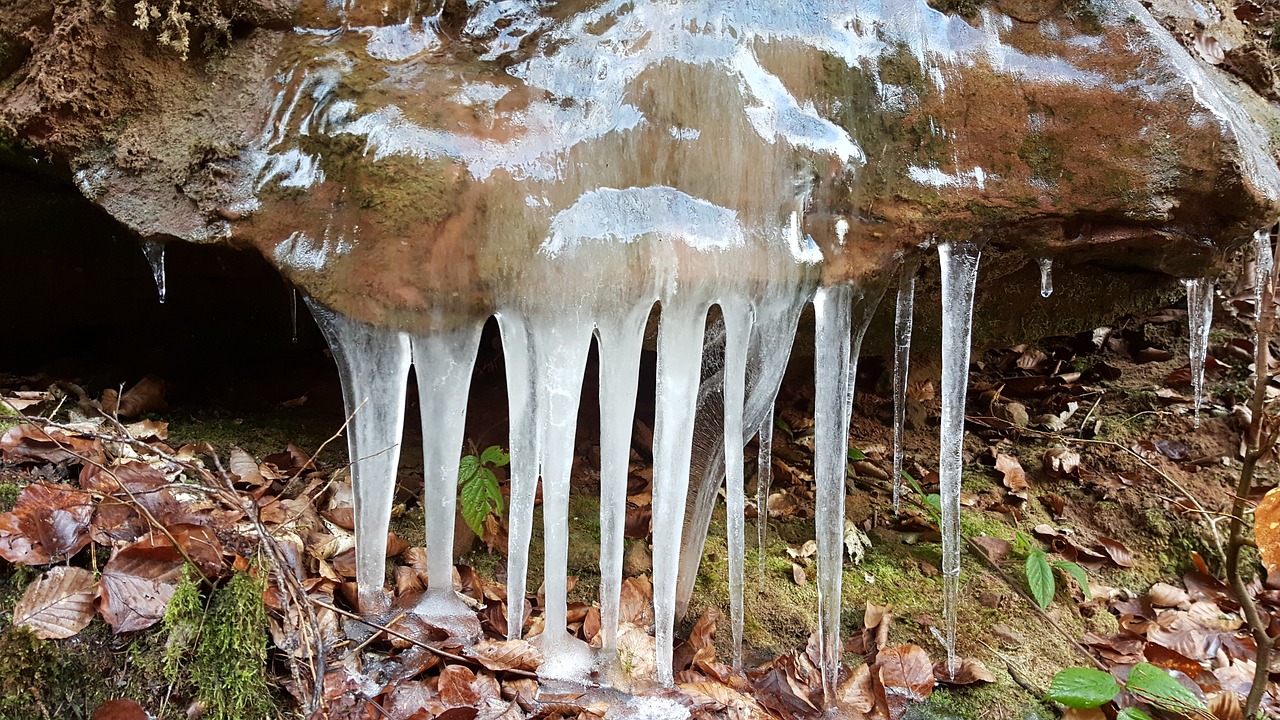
column 1015, row 478
column 57, row 605
column 1225, row 705
column 1083, row 714
column 1164, row 595
column 500, row 655
column 148, row 395
column 996, row 549
column 48, row 522
column 1266, row 530
column 798, row 574
column 1161, row 656
column 137, row 584
column 122, row 709
column 30, row 444
column 455, row 686
column 906, row 677
column 1117, row 551
column 858, row 692
column 1061, row 461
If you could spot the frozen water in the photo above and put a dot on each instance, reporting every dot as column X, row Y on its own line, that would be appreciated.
column 904, row 310
column 1199, row 318
column 764, row 478
column 154, row 251
column 737, row 322
column 1046, row 277
column 1263, row 259
column 959, row 262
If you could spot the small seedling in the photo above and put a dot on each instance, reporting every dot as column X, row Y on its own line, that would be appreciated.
column 478, row 487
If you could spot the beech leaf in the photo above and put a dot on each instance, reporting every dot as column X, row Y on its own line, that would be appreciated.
column 1266, row 530
column 1040, row 578
column 1083, row 688
column 1157, row 686
column 57, row 605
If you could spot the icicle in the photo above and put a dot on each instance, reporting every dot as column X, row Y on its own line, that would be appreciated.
column 373, row 364
column 154, row 250
column 1262, row 263
column 832, row 387
column 293, row 312
column 560, row 347
column 901, row 366
column 772, row 334
column 737, row 321
column 1046, row 277
column 764, row 478
column 523, row 446
column 1199, row 318
column 679, row 349
column 620, row 344
column 443, row 362
column 959, row 262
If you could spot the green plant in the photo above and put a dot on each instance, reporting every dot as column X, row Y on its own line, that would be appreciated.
column 478, row 487
column 230, row 664
column 1039, row 571
column 1084, row 688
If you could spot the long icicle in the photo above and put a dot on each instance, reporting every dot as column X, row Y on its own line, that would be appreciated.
column 620, row 344
column 764, row 478
column 443, row 362
column 904, row 310
column 1199, row 318
column 959, row 262
column 522, row 407
column 154, row 251
column 373, row 364
column 832, row 385
column 679, row 350
column 1046, row 277
column 560, row 349
column 737, row 320
column 1262, row 262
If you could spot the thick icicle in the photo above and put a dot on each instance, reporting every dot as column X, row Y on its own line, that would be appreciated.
column 560, row 352
column 679, row 350
column 620, row 344
column 1046, row 277
column 901, row 366
column 373, row 364
column 154, row 251
column 959, row 263
column 1262, row 262
column 443, row 363
column 523, row 445
column 764, row 478
column 737, row 321
column 831, row 447
column 1199, row 318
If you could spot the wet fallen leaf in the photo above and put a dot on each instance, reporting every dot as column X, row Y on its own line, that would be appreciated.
column 57, row 605
column 970, row 672
column 48, row 522
column 906, row 677
column 994, row 548
column 1061, row 461
column 122, row 709
column 455, row 686
column 500, row 655
column 30, row 444
column 1117, row 551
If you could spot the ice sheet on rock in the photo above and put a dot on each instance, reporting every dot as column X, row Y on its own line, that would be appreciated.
column 154, row 251
column 903, row 316
column 1199, row 318
column 1046, row 277
column 373, row 364
column 959, row 264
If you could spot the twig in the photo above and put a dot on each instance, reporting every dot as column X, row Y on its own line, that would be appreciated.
column 416, row 643
column 311, row 460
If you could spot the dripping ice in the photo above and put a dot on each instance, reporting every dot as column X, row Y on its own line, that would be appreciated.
column 1199, row 318
column 959, row 264
column 154, row 252
column 903, row 312
column 1046, row 277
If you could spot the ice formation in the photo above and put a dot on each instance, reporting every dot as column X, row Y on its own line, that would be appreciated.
column 1264, row 258
column 1199, row 318
column 903, row 312
column 154, row 251
column 1046, row 277
column 959, row 262
column 638, row 155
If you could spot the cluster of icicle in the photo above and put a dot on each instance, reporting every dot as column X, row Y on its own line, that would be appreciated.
column 545, row 363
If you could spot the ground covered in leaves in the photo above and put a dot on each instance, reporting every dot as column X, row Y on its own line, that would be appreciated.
column 144, row 563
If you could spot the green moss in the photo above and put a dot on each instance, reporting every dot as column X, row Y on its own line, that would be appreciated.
column 8, row 494
column 229, row 669
column 41, row 678
column 1045, row 156
column 999, row 700
column 7, row 412
column 1275, row 37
